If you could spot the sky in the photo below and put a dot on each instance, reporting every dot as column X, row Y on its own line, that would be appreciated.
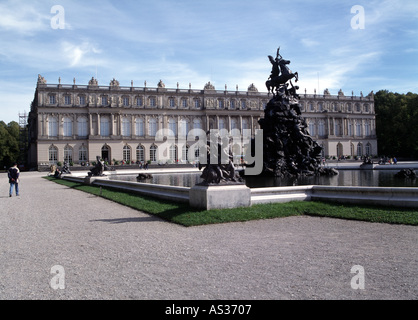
column 352, row 45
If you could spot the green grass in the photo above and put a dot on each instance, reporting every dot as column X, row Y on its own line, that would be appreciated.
column 183, row 214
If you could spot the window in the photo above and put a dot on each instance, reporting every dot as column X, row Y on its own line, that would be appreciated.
column 104, row 126
column 222, row 124
column 184, row 128
column 196, row 103
column 320, row 107
column 127, row 154
column 52, row 99
column 245, row 124
column 184, row 153
column 366, row 108
column 311, row 128
column 82, row 127
column 172, row 126
column 338, row 131
column 67, row 100
column 197, row 124
column 140, row 153
column 153, row 153
column 104, row 101
column 82, row 153
column 184, row 103
column 68, row 154
column 321, row 128
column 173, row 153
column 139, row 127
column 233, row 103
column 359, row 150
column 125, row 101
column 139, row 102
column 368, row 149
column 82, row 100
column 349, row 108
column 152, row 127
column 367, row 129
column 350, row 129
column 221, row 104
column 358, row 107
column 152, row 102
column 311, row 107
column 53, row 154
column 171, row 102
column 67, row 127
column 358, row 129
column 234, row 124
column 52, row 127
column 243, row 105
column 126, row 127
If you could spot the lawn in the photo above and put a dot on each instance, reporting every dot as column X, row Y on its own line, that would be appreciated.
column 183, row 214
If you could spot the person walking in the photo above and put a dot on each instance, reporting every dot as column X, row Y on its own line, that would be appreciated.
column 13, row 175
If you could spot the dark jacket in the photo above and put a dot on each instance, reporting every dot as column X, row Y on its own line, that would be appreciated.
column 13, row 175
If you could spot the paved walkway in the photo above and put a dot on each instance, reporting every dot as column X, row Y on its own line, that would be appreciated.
column 108, row 251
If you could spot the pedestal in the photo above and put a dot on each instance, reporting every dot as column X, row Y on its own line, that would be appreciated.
column 220, row 196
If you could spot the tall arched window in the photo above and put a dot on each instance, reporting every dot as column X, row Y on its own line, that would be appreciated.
column 139, row 127
column 104, row 126
column 68, row 154
column 197, row 124
column 359, row 150
column 52, row 127
column 127, row 154
column 172, row 126
column 126, row 127
column 140, row 153
column 82, row 153
column 153, row 153
column 152, row 127
column 82, row 127
column 321, row 128
column 67, row 127
column 173, row 153
column 53, row 154
column 183, row 127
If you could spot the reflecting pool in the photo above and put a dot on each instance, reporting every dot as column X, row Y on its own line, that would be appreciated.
column 366, row 178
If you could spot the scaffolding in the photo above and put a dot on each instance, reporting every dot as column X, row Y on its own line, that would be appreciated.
column 23, row 137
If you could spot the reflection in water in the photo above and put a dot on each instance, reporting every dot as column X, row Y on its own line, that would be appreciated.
column 366, row 178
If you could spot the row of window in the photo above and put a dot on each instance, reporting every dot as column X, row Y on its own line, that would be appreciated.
column 182, row 126
column 335, row 107
column 82, row 155
column 152, row 102
column 356, row 129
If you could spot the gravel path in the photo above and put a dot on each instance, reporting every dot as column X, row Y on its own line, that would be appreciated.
column 112, row 252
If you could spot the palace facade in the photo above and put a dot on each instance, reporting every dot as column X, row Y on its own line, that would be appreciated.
column 77, row 123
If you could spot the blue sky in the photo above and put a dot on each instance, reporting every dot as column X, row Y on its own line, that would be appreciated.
column 192, row 41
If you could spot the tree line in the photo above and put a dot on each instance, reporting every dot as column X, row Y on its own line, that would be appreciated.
column 9, row 144
column 397, row 124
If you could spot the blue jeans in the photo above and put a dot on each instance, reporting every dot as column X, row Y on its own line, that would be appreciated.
column 16, row 186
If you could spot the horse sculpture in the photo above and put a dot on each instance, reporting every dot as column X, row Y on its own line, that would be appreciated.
column 280, row 73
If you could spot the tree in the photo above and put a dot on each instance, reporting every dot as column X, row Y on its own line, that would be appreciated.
column 396, row 123
column 9, row 143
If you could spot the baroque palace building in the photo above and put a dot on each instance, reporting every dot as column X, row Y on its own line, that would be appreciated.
column 77, row 123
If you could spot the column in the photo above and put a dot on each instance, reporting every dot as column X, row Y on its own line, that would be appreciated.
column 112, row 124
column 98, row 124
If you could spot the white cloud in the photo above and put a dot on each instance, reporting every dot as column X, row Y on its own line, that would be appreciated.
column 22, row 18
